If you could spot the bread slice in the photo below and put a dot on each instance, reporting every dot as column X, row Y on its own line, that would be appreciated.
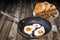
column 47, row 6
column 39, row 7
column 52, row 6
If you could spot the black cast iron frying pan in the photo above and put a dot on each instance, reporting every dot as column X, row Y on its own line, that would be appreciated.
column 32, row 20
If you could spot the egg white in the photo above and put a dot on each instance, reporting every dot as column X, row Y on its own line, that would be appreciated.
column 36, row 31
column 37, row 25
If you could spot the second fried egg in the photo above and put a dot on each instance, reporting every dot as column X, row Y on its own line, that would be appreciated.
column 39, row 31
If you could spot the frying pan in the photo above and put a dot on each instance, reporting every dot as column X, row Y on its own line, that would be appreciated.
column 31, row 20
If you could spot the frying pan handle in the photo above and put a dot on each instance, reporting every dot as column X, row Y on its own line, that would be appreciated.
column 15, row 19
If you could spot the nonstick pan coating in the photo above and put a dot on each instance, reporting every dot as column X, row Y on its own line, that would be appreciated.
column 32, row 20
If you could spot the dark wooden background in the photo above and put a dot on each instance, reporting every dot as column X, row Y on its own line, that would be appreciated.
column 23, row 9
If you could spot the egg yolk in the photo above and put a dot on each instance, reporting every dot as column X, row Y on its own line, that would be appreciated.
column 40, row 32
column 28, row 29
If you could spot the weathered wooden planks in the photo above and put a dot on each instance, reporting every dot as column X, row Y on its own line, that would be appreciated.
column 6, row 27
column 29, row 9
column 22, row 15
column 58, row 23
column 13, row 31
column 54, row 28
column 5, row 30
column 2, row 20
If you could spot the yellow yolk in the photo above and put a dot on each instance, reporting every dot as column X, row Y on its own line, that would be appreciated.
column 28, row 29
column 40, row 32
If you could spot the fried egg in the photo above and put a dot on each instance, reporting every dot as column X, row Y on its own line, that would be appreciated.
column 37, row 25
column 39, row 31
column 28, row 29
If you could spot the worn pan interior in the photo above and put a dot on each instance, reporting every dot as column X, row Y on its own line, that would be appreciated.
column 32, row 20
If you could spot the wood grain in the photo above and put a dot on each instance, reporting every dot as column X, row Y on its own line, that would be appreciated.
column 22, row 15
column 7, row 26
column 5, row 30
column 13, row 31
column 2, row 20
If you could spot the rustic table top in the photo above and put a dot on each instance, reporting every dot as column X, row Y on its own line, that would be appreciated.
column 22, row 9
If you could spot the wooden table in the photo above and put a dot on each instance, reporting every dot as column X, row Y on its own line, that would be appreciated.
column 22, row 9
